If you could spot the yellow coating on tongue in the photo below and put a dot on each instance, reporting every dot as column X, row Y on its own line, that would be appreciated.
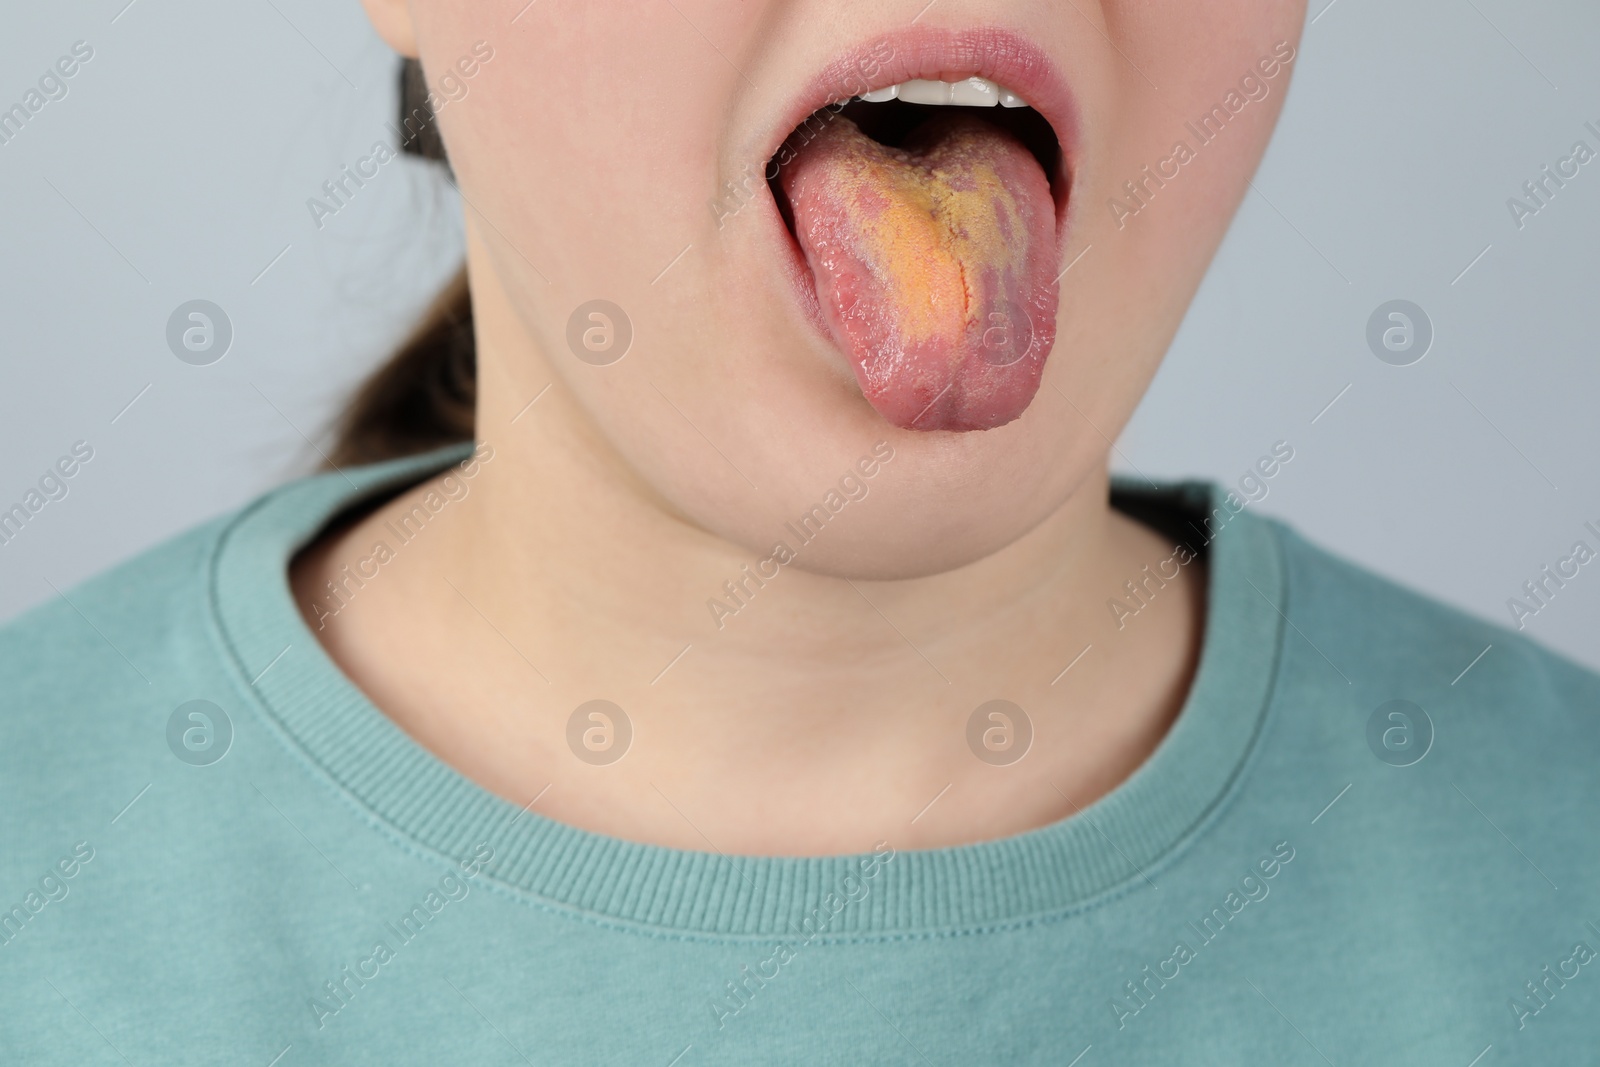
column 927, row 232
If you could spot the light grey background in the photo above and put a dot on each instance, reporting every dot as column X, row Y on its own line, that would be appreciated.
column 179, row 165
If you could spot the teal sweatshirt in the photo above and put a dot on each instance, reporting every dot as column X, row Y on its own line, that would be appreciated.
column 1368, row 838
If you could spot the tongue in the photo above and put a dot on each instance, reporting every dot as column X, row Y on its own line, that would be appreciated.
column 934, row 265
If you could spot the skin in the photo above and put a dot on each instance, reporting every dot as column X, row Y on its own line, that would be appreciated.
column 828, row 713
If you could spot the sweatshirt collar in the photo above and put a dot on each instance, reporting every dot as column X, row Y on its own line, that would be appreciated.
column 320, row 714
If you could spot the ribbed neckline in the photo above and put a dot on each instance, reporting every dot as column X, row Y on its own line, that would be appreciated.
column 1113, row 844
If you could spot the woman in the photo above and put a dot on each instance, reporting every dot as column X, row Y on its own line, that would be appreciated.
column 726, row 645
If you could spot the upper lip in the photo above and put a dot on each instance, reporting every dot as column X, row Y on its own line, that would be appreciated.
column 893, row 57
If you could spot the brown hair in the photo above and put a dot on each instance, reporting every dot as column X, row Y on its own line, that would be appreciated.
column 424, row 395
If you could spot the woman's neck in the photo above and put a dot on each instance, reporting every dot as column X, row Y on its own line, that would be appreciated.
column 808, row 714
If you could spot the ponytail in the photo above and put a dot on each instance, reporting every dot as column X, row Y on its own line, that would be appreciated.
column 424, row 397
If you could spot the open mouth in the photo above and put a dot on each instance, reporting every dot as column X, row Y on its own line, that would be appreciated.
column 929, row 212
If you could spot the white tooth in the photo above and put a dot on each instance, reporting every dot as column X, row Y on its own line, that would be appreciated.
column 918, row 91
column 975, row 92
column 970, row 92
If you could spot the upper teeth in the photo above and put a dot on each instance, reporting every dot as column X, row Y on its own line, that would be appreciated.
column 971, row 92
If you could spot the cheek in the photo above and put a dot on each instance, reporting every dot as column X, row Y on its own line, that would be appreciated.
column 608, row 196
column 592, row 193
column 599, row 185
column 1164, row 229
